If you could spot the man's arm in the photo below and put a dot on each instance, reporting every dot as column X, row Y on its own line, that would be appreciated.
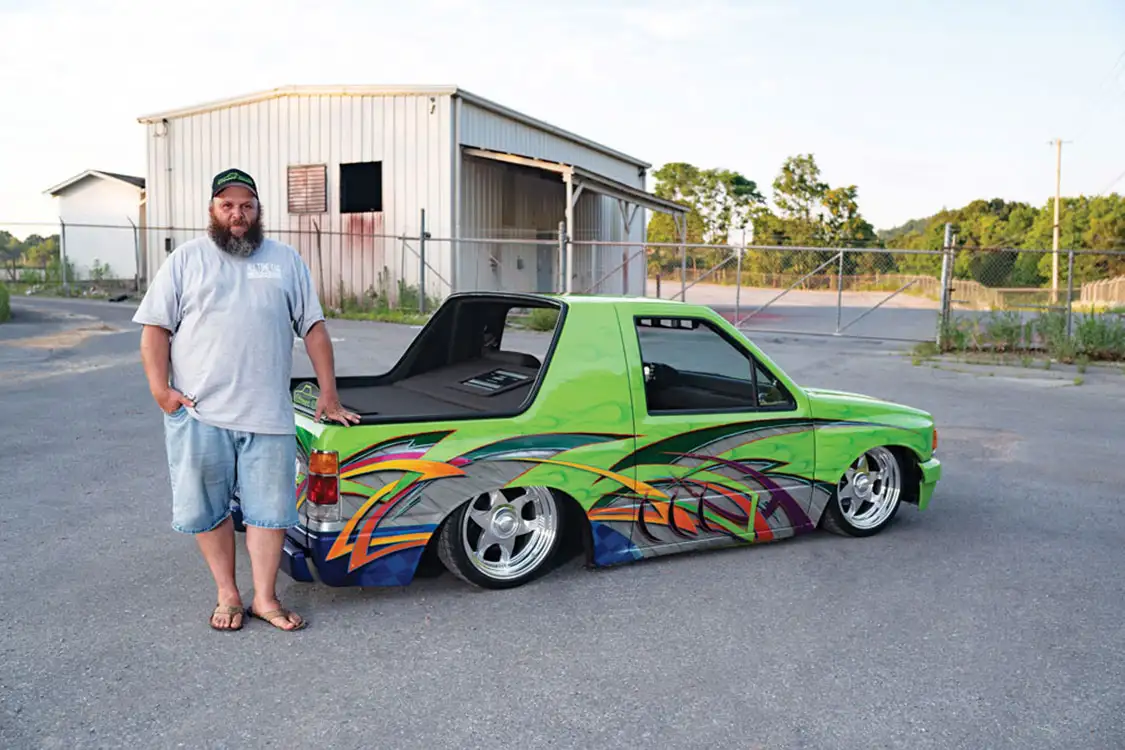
column 155, row 349
column 318, row 344
column 159, row 313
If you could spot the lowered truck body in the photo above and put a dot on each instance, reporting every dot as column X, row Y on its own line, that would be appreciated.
column 634, row 428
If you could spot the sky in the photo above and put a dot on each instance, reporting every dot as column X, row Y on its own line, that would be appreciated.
column 922, row 105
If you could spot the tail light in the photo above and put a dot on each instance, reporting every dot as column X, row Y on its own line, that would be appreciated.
column 323, row 491
column 934, row 447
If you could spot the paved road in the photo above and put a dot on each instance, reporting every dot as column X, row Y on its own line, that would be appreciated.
column 993, row 620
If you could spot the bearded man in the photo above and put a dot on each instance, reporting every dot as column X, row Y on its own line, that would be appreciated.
column 219, row 321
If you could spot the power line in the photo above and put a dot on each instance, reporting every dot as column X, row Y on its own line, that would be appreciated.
column 1107, row 188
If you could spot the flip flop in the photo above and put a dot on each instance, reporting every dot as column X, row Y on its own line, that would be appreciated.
column 227, row 609
column 273, row 614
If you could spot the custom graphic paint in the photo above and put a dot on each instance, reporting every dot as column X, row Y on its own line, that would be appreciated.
column 646, row 484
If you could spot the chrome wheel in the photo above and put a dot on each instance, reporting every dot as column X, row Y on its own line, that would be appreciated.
column 868, row 493
column 507, row 535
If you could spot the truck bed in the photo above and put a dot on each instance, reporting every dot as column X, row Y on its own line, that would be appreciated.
column 495, row 383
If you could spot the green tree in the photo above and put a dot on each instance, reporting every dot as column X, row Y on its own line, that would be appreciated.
column 812, row 214
column 43, row 252
column 999, row 243
column 798, row 190
column 11, row 251
column 1008, row 244
column 719, row 201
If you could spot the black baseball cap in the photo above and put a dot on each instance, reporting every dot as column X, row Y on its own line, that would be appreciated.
column 228, row 177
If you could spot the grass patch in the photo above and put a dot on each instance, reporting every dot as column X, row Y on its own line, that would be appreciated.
column 76, row 289
column 1095, row 337
column 379, row 307
column 381, row 316
column 535, row 319
column 543, row 319
column 923, row 352
column 926, row 349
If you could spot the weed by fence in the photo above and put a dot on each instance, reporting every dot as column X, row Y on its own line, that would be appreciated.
column 1082, row 337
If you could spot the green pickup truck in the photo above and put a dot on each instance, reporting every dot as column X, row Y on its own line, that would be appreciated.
column 635, row 428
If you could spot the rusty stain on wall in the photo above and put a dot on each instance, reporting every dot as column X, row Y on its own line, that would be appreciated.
column 348, row 260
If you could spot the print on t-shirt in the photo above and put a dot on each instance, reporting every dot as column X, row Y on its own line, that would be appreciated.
column 263, row 271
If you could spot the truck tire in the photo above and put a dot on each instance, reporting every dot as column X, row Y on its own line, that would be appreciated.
column 868, row 495
column 504, row 538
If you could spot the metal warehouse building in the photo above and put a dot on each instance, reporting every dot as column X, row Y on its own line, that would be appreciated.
column 345, row 174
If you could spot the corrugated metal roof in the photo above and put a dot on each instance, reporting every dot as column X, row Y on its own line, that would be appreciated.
column 391, row 90
column 132, row 179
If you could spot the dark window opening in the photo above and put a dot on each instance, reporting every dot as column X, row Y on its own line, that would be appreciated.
column 361, row 187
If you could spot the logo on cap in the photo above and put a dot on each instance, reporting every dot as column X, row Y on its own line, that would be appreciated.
column 230, row 177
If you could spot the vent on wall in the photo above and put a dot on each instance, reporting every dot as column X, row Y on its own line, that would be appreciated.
column 308, row 189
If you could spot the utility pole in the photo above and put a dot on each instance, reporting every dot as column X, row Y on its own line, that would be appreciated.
column 1058, row 144
column 946, row 285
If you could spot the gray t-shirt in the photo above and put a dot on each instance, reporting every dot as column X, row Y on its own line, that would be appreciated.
column 233, row 322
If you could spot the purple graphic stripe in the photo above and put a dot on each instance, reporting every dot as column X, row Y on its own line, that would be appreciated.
column 778, row 496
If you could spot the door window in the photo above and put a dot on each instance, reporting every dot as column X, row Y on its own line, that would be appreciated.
column 692, row 366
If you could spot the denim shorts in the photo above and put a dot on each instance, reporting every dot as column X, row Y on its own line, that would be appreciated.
column 209, row 464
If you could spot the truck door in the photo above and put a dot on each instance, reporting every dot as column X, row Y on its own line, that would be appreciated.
column 725, row 449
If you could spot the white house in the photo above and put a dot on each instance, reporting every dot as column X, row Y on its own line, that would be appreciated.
column 101, row 214
column 346, row 172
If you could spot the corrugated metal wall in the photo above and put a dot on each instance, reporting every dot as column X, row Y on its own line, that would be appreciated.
column 601, row 269
column 410, row 134
column 503, row 201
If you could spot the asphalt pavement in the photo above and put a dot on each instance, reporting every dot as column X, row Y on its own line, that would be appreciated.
column 995, row 619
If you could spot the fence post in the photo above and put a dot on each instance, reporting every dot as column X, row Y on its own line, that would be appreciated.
column 1069, row 291
column 320, row 268
column 840, row 291
column 946, row 276
column 738, row 277
column 683, row 259
column 62, row 257
column 136, row 256
column 422, row 266
column 399, row 303
column 562, row 257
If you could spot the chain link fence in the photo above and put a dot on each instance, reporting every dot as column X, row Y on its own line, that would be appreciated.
column 30, row 258
column 1070, row 301
column 357, row 271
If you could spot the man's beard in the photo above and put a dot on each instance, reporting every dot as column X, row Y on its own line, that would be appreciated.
column 238, row 246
